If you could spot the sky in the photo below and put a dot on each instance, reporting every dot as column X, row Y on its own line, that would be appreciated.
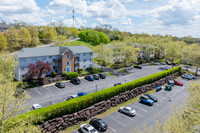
column 174, row 17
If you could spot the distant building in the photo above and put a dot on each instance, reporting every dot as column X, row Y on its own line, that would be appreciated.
column 61, row 59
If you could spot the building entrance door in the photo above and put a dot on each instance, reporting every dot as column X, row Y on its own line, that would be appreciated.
column 68, row 69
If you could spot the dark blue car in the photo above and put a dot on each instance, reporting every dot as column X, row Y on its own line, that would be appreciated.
column 151, row 97
column 82, row 93
column 89, row 77
column 146, row 100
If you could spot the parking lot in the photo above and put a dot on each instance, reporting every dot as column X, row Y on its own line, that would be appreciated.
column 48, row 95
column 119, row 123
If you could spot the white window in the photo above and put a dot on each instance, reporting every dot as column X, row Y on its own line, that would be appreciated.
column 23, row 60
column 68, row 63
column 33, row 58
column 44, row 57
column 68, row 56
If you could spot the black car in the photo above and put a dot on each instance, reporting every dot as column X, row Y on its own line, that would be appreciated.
column 138, row 67
column 99, row 124
column 60, row 85
column 75, row 81
column 102, row 75
column 89, row 77
column 117, row 84
column 96, row 76
column 151, row 97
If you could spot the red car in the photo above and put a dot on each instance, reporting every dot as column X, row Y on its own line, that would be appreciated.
column 178, row 83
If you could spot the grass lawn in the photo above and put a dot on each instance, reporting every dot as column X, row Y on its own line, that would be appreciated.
column 109, row 74
column 81, row 43
column 108, row 112
column 124, row 71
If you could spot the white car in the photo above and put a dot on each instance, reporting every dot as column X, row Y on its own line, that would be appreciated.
column 71, row 97
column 36, row 106
column 127, row 110
column 87, row 128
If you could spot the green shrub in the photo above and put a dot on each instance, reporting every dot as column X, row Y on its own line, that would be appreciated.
column 80, row 69
column 83, row 73
column 54, row 74
column 74, row 105
column 89, row 68
column 72, row 75
column 96, row 70
column 64, row 74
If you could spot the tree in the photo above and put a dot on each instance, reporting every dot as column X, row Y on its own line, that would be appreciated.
column 12, row 38
column 3, row 42
column 48, row 34
column 24, row 37
column 172, row 50
column 38, row 69
column 101, row 54
column 10, row 106
column 33, row 30
column 191, row 55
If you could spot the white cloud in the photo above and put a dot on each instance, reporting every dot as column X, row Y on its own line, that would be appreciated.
column 126, row 21
column 78, row 22
column 129, row 0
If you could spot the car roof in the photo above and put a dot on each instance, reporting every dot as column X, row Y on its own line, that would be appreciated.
column 144, row 96
column 129, row 108
column 36, row 105
column 73, row 95
column 89, row 127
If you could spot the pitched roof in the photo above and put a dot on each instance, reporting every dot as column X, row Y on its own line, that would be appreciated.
column 48, row 51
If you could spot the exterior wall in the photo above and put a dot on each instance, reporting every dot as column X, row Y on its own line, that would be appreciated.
column 86, row 60
column 70, row 60
column 22, row 67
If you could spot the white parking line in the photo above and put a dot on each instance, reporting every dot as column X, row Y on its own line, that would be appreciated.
column 112, row 128
column 126, row 116
column 116, row 121
column 141, row 108
column 27, row 94
column 177, row 92
column 138, row 114
column 156, row 104
column 47, row 90
column 37, row 91
column 57, row 88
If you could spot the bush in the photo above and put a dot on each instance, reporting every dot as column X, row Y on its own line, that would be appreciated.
column 72, row 75
column 89, row 68
column 80, row 69
column 96, row 70
column 64, row 74
column 54, row 74
column 82, row 73
column 74, row 105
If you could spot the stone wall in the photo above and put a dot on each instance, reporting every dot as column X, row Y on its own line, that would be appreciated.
column 62, row 123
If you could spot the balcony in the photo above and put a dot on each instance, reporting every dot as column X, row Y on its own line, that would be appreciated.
column 56, row 60
column 57, row 67
column 76, row 58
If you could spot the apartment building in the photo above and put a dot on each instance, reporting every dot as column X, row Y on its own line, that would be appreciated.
column 61, row 59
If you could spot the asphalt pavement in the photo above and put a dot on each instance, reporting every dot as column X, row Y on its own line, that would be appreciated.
column 147, row 115
column 48, row 95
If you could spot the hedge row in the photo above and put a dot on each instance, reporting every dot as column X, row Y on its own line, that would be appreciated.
column 83, row 102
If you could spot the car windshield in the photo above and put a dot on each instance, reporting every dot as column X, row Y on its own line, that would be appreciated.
column 102, row 123
column 62, row 84
column 93, row 131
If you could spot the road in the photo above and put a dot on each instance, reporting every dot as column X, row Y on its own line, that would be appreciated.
column 147, row 115
column 49, row 95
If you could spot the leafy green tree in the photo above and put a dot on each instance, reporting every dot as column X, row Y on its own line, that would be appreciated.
column 24, row 37
column 33, row 30
column 3, row 42
column 12, row 38
column 49, row 34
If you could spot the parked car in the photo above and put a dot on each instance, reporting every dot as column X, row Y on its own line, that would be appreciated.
column 82, row 93
column 60, row 85
column 71, row 97
column 87, row 128
column 162, row 63
column 75, row 81
column 159, row 88
column 178, row 83
column 102, row 75
column 127, row 110
column 138, row 67
column 193, row 76
column 187, row 76
column 36, row 106
column 146, row 100
column 99, row 124
column 19, row 92
column 168, row 87
column 96, row 76
column 151, row 97
column 155, row 63
column 89, row 77
column 167, row 68
column 117, row 84
column 171, row 82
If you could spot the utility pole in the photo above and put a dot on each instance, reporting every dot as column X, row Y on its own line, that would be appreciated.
column 73, row 17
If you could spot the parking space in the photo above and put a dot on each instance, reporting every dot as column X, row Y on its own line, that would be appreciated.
column 119, row 123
